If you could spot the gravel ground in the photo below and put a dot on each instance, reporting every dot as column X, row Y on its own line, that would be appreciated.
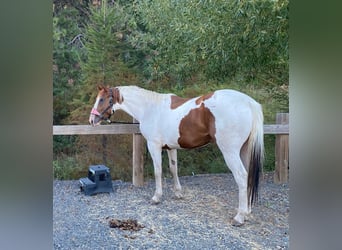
column 201, row 220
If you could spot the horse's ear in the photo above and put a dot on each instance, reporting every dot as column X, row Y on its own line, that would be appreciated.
column 100, row 86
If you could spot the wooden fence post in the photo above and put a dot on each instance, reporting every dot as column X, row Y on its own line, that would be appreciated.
column 138, row 159
column 281, row 152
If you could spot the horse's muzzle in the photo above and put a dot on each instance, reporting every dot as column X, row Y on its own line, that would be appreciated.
column 94, row 120
column 95, row 117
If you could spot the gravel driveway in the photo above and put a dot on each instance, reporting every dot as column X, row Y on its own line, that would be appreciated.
column 201, row 220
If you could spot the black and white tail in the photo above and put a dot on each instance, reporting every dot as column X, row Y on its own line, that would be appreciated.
column 256, row 152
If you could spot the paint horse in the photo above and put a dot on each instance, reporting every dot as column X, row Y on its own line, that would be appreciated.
column 231, row 119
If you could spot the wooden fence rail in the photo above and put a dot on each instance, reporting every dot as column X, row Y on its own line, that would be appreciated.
column 280, row 129
column 131, row 128
column 98, row 130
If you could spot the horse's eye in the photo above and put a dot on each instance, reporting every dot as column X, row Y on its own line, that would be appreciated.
column 101, row 99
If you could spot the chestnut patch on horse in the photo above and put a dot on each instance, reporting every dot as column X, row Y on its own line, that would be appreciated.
column 117, row 96
column 166, row 147
column 203, row 98
column 177, row 101
column 197, row 128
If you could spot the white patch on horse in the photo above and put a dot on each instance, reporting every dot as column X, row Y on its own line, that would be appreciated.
column 92, row 114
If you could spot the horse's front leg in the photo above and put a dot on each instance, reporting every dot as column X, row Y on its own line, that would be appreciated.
column 155, row 152
column 172, row 154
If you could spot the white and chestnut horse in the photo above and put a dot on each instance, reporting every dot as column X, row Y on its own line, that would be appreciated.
column 231, row 119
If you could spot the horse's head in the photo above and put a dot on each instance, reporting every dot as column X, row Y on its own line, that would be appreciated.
column 103, row 107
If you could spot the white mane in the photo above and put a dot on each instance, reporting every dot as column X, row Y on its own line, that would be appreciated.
column 129, row 92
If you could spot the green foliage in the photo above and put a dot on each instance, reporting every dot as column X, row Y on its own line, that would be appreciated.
column 66, row 168
column 269, row 161
column 106, row 55
column 64, row 145
column 217, row 38
column 103, row 46
column 67, row 50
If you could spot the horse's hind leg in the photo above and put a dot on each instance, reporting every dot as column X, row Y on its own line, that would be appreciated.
column 172, row 154
column 245, row 157
column 240, row 175
column 233, row 160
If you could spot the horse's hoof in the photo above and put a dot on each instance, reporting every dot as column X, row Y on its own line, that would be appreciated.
column 235, row 223
column 179, row 195
column 155, row 201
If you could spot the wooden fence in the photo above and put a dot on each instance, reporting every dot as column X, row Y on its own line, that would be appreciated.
column 280, row 129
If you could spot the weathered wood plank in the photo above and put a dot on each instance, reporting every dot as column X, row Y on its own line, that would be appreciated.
column 90, row 130
column 276, row 129
column 138, row 159
column 281, row 173
column 134, row 128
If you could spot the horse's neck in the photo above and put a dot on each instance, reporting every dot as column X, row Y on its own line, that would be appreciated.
column 137, row 101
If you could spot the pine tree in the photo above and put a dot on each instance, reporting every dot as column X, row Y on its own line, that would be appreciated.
column 104, row 46
column 105, row 49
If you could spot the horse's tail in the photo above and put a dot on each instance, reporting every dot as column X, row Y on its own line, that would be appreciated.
column 255, row 152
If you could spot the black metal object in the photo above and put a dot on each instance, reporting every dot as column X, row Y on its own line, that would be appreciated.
column 98, row 181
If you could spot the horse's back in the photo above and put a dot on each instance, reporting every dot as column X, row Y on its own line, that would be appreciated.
column 227, row 103
column 232, row 96
column 233, row 113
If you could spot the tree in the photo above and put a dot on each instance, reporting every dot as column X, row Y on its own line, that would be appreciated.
column 67, row 51
column 105, row 62
column 217, row 38
column 104, row 53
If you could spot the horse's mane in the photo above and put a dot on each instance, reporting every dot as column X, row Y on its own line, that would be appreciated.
column 141, row 92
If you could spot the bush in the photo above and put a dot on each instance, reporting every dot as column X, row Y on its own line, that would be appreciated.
column 66, row 168
column 216, row 38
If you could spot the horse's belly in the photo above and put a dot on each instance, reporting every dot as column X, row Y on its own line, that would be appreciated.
column 194, row 141
column 187, row 142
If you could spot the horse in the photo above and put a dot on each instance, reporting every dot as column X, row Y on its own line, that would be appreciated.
column 229, row 118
